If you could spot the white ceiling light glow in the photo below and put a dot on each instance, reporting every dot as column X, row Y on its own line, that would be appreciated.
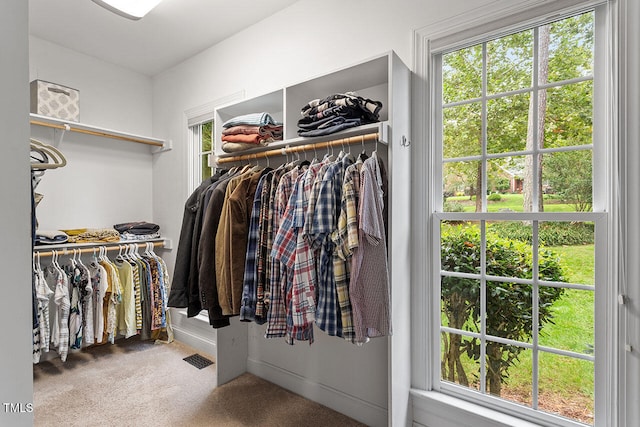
column 132, row 9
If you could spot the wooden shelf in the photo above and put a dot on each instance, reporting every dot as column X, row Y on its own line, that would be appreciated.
column 65, row 125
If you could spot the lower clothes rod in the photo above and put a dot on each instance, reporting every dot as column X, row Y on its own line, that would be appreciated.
column 361, row 139
column 84, row 250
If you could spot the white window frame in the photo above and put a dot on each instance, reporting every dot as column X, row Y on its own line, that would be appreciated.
column 432, row 401
column 196, row 153
column 194, row 118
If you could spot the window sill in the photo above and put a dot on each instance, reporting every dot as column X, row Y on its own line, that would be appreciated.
column 433, row 409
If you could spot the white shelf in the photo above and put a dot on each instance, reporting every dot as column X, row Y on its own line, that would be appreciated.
column 369, row 79
column 70, row 126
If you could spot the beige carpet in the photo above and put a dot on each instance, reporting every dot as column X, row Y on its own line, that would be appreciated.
column 139, row 383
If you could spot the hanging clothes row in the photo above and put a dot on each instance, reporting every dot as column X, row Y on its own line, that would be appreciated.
column 290, row 247
column 94, row 303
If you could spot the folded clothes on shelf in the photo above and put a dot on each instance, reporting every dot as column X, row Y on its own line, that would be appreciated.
column 129, row 236
column 137, row 228
column 49, row 237
column 337, row 112
column 251, row 119
column 250, row 131
column 92, row 235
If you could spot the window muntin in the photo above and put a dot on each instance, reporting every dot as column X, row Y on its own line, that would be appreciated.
column 483, row 146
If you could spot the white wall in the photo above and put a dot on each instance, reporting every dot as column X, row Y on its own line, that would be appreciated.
column 106, row 181
column 16, row 370
column 305, row 40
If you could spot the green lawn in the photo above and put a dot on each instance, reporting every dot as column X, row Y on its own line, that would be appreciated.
column 512, row 202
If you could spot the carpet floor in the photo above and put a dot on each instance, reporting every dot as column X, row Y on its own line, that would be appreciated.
column 139, row 383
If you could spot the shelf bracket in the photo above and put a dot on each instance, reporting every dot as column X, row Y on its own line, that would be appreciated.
column 166, row 146
column 58, row 134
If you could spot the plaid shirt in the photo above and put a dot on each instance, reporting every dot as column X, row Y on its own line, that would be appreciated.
column 343, row 239
column 249, row 284
column 284, row 250
column 261, row 252
column 303, row 304
column 277, row 316
column 325, row 218
column 345, row 236
column 264, row 270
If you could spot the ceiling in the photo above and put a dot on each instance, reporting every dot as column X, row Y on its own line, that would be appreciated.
column 172, row 32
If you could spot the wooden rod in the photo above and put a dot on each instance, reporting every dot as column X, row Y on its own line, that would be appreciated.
column 84, row 250
column 98, row 133
column 360, row 139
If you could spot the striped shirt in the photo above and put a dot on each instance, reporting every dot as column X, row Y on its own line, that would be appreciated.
column 369, row 287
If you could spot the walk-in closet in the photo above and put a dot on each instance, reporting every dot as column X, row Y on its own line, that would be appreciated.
column 231, row 213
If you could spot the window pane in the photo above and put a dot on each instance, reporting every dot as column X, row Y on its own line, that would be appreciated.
column 570, row 49
column 207, row 136
column 509, row 372
column 504, row 179
column 572, row 245
column 460, row 247
column 507, row 122
column 566, row 387
column 569, row 115
column 460, row 77
column 509, row 311
column 462, row 131
column 518, row 378
column 461, row 181
column 509, row 61
column 460, row 303
column 508, row 254
column 206, row 170
column 571, row 327
column 459, row 363
column 567, row 179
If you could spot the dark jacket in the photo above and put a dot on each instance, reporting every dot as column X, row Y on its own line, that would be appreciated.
column 185, row 268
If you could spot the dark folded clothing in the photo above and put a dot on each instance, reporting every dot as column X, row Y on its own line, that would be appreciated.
column 140, row 227
column 368, row 108
column 337, row 112
column 327, row 122
column 331, row 127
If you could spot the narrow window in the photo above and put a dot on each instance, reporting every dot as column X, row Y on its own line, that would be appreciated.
column 201, row 141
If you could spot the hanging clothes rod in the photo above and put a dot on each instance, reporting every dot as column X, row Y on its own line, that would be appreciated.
column 360, row 139
column 85, row 250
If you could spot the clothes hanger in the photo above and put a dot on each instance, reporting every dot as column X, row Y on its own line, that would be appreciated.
column 103, row 254
column 119, row 256
column 52, row 157
column 149, row 250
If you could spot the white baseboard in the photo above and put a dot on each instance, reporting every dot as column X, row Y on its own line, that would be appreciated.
column 197, row 342
column 352, row 406
column 194, row 331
